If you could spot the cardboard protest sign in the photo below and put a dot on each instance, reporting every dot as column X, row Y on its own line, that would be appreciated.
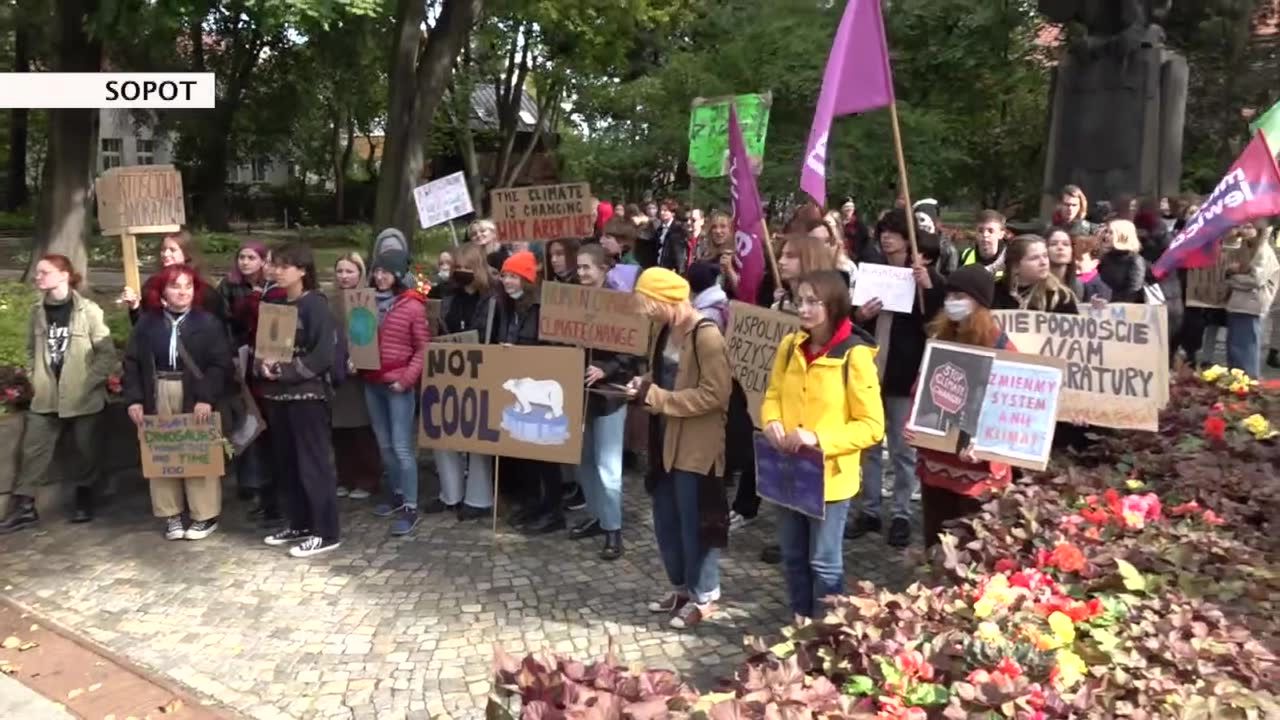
column 442, row 200
column 793, row 480
column 595, row 318
column 277, row 327
column 1117, row 372
column 753, row 338
column 466, row 336
column 1003, row 404
column 360, row 308
column 523, row 402
column 894, row 286
column 139, row 200
column 709, row 132
column 1207, row 287
column 435, row 314
column 544, row 212
column 179, row 446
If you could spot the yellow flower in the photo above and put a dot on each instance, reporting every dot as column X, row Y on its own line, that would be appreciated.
column 1213, row 373
column 1240, row 387
column 1133, row 484
column 1071, row 670
column 995, row 595
column 1259, row 427
column 1064, row 631
column 1238, row 374
column 990, row 632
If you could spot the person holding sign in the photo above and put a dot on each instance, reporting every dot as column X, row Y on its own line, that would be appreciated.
column 600, row 472
column 902, row 351
column 178, row 362
column 1029, row 283
column 355, row 449
column 71, row 355
column 296, row 395
column 951, row 483
column 389, row 391
column 688, row 396
column 181, row 248
column 823, row 394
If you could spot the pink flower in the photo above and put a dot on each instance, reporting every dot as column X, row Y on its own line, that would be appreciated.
column 1009, row 667
column 979, row 677
column 1137, row 510
column 1213, row 518
column 1004, row 565
column 913, row 665
column 1186, row 508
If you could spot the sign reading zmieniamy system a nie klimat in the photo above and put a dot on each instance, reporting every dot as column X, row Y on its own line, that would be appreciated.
column 51, row 91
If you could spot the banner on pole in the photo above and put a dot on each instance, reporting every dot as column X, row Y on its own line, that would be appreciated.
column 442, row 200
column 709, row 132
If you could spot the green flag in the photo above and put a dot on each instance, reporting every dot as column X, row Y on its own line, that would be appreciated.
column 1270, row 123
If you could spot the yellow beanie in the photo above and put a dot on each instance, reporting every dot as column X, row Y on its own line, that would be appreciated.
column 662, row 285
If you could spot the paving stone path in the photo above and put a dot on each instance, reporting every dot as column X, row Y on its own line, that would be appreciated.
column 383, row 628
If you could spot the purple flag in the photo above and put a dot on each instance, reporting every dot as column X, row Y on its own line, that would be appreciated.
column 1251, row 190
column 748, row 214
column 857, row 79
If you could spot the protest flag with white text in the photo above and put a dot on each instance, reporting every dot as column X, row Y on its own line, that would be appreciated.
column 1250, row 190
column 748, row 214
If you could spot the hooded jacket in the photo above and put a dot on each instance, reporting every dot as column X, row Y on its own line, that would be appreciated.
column 713, row 304
column 81, row 387
column 402, row 341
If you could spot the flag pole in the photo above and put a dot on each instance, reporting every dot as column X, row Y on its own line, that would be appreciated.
column 768, row 248
column 906, row 191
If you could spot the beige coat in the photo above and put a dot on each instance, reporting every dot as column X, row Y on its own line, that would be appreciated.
column 1252, row 292
column 90, row 358
column 695, row 410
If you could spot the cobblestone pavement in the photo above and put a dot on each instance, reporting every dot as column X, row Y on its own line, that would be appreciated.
column 383, row 628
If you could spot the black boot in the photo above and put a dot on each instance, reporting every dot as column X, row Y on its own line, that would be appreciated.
column 83, row 510
column 548, row 523
column 1273, row 358
column 22, row 514
column 612, row 545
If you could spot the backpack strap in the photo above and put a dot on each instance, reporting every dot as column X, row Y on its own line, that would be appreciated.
column 693, row 338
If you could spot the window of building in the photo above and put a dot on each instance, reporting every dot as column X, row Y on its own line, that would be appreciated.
column 261, row 169
column 146, row 152
column 112, row 153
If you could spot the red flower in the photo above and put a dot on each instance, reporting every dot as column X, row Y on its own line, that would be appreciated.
column 1067, row 558
column 1186, row 508
column 1213, row 518
column 1009, row 668
column 1215, row 428
column 1035, row 698
column 979, row 677
column 1006, row 565
column 913, row 665
column 1094, row 515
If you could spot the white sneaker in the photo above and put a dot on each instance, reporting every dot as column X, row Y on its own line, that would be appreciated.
column 915, row 495
column 359, row 494
column 313, row 546
column 201, row 529
column 343, row 492
column 287, row 536
column 738, row 521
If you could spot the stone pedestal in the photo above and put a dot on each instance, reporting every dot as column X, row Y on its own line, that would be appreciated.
column 1116, row 124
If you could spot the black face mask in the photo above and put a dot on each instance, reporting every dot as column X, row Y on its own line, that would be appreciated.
column 462, row 278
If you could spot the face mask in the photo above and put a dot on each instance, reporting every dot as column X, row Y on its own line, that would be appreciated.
column 442, row 276
column 957, row 310
column 515, row 294
column 462, row 277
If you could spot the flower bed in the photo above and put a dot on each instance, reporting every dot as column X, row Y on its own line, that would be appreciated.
column 1135, row 580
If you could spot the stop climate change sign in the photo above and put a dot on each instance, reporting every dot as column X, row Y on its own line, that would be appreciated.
column 948, row 388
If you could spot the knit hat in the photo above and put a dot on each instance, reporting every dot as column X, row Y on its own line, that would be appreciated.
column 394, row 261
column 390, row 239
column 702, row 275
column 662, row 285
column 974, row 281
column 522, row 264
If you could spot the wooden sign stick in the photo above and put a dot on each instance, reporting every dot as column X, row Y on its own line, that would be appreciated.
column 129, row 255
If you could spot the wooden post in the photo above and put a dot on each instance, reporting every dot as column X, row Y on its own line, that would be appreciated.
column 497, row 463
column 906, row 191
column 129, row 254
column 768, row 249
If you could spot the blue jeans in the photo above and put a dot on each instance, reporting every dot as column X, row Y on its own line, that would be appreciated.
column 600, row 472
column 391, row 415
column 1244, row 343
column 691, row 567
column 903, row 456
column 812, row 557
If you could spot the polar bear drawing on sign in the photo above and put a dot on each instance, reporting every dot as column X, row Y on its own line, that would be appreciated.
column 530, row 392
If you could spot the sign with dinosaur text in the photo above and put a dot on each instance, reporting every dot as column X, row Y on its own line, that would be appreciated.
column 543, row 212
column 514, row 401
column 180, row 446
column 596, row 318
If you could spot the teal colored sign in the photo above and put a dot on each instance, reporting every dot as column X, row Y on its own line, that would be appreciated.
column 362, row 326
column 709, row 132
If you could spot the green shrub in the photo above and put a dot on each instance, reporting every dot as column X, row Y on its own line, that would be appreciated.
column 15, row 298
column 21, row 220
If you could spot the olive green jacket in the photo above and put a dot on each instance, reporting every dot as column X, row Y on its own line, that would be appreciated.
column 91, row 356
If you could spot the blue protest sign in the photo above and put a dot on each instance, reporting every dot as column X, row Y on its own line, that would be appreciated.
column 792, row 480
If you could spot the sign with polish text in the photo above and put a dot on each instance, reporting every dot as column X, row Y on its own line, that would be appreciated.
column 895, row 287
column 140, row 199
column 544, row 212
column 595, row 318
column 752, row 338
column 796, row 481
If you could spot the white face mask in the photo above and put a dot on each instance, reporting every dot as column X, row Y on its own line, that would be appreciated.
column 958, row 309
column 515, row 294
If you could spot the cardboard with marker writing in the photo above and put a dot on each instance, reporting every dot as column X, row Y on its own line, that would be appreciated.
column 277, row 328
column 752, row 338
column 596, row 318
column 179, row 446
column 513, row 401
column 471, row 337
column 543, row 212
column 1117, row 372
column 360, row 310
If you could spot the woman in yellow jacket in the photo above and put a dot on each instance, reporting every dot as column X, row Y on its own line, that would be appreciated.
column 823, row 393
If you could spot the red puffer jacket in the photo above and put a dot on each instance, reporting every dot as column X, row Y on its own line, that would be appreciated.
column 402, row 341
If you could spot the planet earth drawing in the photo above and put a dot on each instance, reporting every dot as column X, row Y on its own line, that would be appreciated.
column 362, row 326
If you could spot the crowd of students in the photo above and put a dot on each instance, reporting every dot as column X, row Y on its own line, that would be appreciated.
column 841, row 385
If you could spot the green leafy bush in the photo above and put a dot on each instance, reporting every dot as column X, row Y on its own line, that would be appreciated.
column 15, row 299
column 21, row 221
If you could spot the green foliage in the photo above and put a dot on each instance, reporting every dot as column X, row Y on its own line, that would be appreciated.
column 15, row 302
column 21, row 221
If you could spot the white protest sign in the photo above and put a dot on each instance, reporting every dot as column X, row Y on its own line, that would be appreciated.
column 442, row 200
column 895, row 286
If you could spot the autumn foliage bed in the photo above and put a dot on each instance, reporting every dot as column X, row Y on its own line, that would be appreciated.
column 1136, row 580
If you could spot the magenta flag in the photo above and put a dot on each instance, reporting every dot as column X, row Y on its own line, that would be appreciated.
column 857, row 79
column 1251, row 190
column 748, row 214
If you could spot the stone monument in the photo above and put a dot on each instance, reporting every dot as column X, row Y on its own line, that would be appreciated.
column 1119, row 101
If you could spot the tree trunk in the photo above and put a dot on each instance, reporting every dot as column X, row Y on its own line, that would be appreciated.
column 459, row 109
column 16, row 197
column 418, row 81
column 339, row 168
column 67, row 194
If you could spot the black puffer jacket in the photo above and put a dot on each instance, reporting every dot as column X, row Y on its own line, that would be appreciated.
column 1125, row 273
column 204, row 339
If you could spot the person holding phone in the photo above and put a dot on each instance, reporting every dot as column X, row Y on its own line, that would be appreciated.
column 823, row 395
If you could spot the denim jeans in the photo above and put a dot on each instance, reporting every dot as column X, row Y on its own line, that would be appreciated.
column 1244, row 343
column 465, row 478
column 903, row 456
column 391, row 414
column 600, row 472
column 691, row 567
column 812, row 557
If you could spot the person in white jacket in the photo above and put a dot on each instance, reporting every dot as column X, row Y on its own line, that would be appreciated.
column 1253, row 274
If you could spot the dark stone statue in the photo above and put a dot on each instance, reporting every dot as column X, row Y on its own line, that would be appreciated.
column 1119, row 101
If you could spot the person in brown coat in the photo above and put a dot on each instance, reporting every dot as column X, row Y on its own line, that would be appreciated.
column 688, row 395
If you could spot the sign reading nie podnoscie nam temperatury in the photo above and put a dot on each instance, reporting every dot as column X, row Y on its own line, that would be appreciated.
column 709, row 132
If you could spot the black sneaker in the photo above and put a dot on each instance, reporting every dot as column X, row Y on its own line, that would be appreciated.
column 863, row 525
column 435, row 507
column 173, row 529
column 313, row 546
column 612, row 549
column 22, row 514
column 575, row 500
column 83, row 509
column 900, row 532
column 585, row 529
column 287, row 536
column 548, row 523
column 1273, row 358
column 201, row 529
